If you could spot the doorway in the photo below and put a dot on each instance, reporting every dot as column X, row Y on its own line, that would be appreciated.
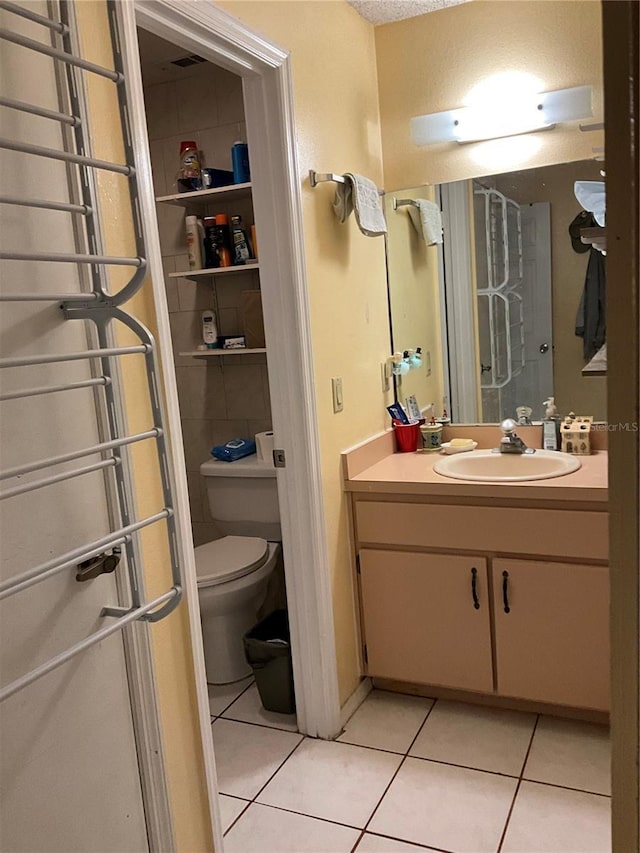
column 215, row 36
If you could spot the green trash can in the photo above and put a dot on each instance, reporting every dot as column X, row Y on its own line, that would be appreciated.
column 267, row 648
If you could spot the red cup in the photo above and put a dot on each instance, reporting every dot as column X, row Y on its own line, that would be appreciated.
column 407, row 437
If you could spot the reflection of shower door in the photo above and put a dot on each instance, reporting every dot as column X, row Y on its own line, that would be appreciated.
column 535, row 383
column 532, row 382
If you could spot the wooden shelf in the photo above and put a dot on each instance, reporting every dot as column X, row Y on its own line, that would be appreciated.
column 214, row 353
column 196, row 274
column 596, row 237
column 202, row 197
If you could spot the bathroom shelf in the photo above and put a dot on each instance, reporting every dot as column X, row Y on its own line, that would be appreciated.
column 204, row 196
column 196, row 274
column 213, row 353
column 596, row 237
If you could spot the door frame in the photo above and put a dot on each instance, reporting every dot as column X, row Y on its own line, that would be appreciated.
column 269, row 111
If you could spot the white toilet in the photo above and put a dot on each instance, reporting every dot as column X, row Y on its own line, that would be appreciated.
column 233, row 572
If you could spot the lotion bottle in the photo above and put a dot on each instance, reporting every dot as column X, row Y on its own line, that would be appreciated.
column 193, row 230
column 209, row 329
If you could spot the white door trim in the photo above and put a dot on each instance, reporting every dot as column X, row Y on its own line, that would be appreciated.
column 265, row 69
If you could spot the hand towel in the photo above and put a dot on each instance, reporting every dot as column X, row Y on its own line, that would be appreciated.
column 592, row 197
column 359, row 194
column 427, row 220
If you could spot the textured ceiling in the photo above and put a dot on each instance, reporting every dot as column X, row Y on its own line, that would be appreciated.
column 384, row 11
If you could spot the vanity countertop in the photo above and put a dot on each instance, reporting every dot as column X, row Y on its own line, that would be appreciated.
column 413, row 474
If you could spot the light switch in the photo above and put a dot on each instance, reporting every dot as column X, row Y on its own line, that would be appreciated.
column 336, row 386
column 427, row 361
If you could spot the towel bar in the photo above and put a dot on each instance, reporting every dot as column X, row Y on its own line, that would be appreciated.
column 316, row 178
column 403, row 202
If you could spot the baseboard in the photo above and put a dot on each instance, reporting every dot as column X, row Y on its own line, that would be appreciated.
column 355, row 700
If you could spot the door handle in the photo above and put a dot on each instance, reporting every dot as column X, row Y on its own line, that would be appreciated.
column 505, row 592
column 474, row 590
column 103, row 564
column 544, row 347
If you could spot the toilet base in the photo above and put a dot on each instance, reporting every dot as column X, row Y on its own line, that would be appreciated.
column 227, row 612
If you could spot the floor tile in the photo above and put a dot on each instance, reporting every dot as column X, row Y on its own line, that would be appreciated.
column 473, row 736
column 222, row 695
column 247, row 756
column 332, row 780
column 378, row 844
column 386, row 721
column 248, row 709
column 570, row 753
column 230, row 808
column 451, row 808
column 553, row 820
column 265, row 830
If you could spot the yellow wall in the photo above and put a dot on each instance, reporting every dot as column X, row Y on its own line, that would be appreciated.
column 429, row 64
column 412, row 271
column 337, row 130
column 171, row 643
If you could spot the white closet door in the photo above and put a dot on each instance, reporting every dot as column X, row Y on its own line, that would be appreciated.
column 69, row 770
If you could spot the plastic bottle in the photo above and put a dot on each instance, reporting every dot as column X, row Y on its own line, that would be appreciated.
column 211, row 253
column 241, row 246
column 224, row 240
column 189, row 175
column 209, row 329
column 193, row 228
column 240, row 163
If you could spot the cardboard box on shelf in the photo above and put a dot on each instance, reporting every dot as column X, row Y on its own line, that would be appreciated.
column 252, row 320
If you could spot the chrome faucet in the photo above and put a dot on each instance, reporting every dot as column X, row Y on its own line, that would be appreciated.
column 511, row 441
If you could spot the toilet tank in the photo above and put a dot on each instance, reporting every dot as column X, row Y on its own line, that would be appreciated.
column 243, row 497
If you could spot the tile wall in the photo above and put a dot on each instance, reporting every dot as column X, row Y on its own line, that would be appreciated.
column 224, row 397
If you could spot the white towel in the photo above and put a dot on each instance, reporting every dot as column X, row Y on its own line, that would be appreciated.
column 427, row 220
column 592, row 195
column 360, row 194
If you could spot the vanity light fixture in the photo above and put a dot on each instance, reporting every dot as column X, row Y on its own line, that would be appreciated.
column 493, row 119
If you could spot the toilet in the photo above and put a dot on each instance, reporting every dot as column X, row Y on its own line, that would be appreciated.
column 233, row 572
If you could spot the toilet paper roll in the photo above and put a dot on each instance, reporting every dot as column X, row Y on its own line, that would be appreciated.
column 264, row 446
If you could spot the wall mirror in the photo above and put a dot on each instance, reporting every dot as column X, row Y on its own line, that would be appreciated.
column 500, row 298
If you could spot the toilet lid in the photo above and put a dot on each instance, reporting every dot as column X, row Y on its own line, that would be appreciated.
column 229, row 558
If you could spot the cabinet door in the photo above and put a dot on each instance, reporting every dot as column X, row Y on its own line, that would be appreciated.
column 553, row 643
column 421, row 621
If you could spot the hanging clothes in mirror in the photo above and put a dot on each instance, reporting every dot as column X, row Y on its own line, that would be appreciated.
column 591, row 323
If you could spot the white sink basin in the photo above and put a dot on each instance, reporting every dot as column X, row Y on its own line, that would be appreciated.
column 506, row 467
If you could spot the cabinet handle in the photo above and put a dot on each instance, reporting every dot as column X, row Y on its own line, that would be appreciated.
column 505, row 592
column 474, row 591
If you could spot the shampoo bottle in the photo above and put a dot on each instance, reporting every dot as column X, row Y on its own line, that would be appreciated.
column 209, row 329
column 193, row 229
column 241, row 247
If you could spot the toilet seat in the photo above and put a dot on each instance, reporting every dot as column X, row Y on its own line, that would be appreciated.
column 229, row 558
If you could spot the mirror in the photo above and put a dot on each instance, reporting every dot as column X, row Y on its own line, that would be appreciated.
column 502, row 294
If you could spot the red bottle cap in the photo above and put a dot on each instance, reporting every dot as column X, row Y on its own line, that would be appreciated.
column 222, row 219
column 186, row 144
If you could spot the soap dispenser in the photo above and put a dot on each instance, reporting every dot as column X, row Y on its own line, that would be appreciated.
column 550, row 426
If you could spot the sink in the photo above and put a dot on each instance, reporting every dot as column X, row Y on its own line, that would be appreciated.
column 506, row 467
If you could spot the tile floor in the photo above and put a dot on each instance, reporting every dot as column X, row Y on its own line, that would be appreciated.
column 410, row 774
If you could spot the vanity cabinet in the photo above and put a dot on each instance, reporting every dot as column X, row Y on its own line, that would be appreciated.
column 537, row 633
column 552, row 631
column 427, row 618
